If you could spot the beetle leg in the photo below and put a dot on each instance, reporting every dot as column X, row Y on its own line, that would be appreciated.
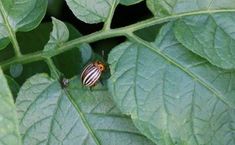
column 90, row 88
column 102, row 83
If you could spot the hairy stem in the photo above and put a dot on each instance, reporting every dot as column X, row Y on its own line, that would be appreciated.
column 99, row 35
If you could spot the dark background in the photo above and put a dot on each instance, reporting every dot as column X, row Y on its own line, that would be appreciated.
column 123, row 16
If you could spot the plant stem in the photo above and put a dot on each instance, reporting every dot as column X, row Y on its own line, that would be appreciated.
column 99, row 35
column 15, row 44
column 36, row 56
column 11, row 33
column 108, row 22
column 54, row 72
column 31, row 57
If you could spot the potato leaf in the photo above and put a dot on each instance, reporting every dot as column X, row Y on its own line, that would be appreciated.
column 72, row 116
column 173, row 95
column 9, row 133
column 211, row 36
column 76, row 58
column 205, row 27
column 129, row 2
column 19, row 15
column 92, row 11
column 162, row 8
column 58, row 36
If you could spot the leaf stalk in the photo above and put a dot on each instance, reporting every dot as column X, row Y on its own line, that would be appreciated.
column 100, row 35
column 107, row 24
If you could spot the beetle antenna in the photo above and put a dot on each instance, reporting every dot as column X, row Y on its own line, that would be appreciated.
column 102, row 53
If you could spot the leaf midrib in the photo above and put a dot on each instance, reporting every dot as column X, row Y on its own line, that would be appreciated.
column 94, row 13
column 195, row 77
column 158, row 20
column 69, row 96
column 11, row 32
column 82, row 116
column 49, row 84
column 53, row 117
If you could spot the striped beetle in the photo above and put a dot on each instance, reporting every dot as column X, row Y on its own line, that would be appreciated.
column 92, row 73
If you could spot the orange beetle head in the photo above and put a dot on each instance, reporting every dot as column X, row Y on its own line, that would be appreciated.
column 100, row 65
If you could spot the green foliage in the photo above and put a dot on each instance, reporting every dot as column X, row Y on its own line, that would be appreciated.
column 92, row 11
column 173, row 97
column 19, row 16
column 172, row 7
column 13, row 85
column 129, row 2
column 58, row 36
column 9, row 133
column 172, row 82
column 51, row 115
column 204, row 29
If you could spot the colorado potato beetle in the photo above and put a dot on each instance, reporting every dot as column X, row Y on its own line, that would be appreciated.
column 92, row 73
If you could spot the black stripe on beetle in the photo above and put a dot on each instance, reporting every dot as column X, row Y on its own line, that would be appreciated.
column 91, row 73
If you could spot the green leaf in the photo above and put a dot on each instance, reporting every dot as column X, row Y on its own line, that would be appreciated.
column 4, row 41
column 210, row 36
column 16, row 70
column 71, row 116
column 20, row 15
column 85, row 50
column 70, row 63
column 9, row 134
column 129, row 2
column 171, row 7
column 13, row 85
column 92, row 11
column 173, row 95
column 58, row 36
column 29, row 42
